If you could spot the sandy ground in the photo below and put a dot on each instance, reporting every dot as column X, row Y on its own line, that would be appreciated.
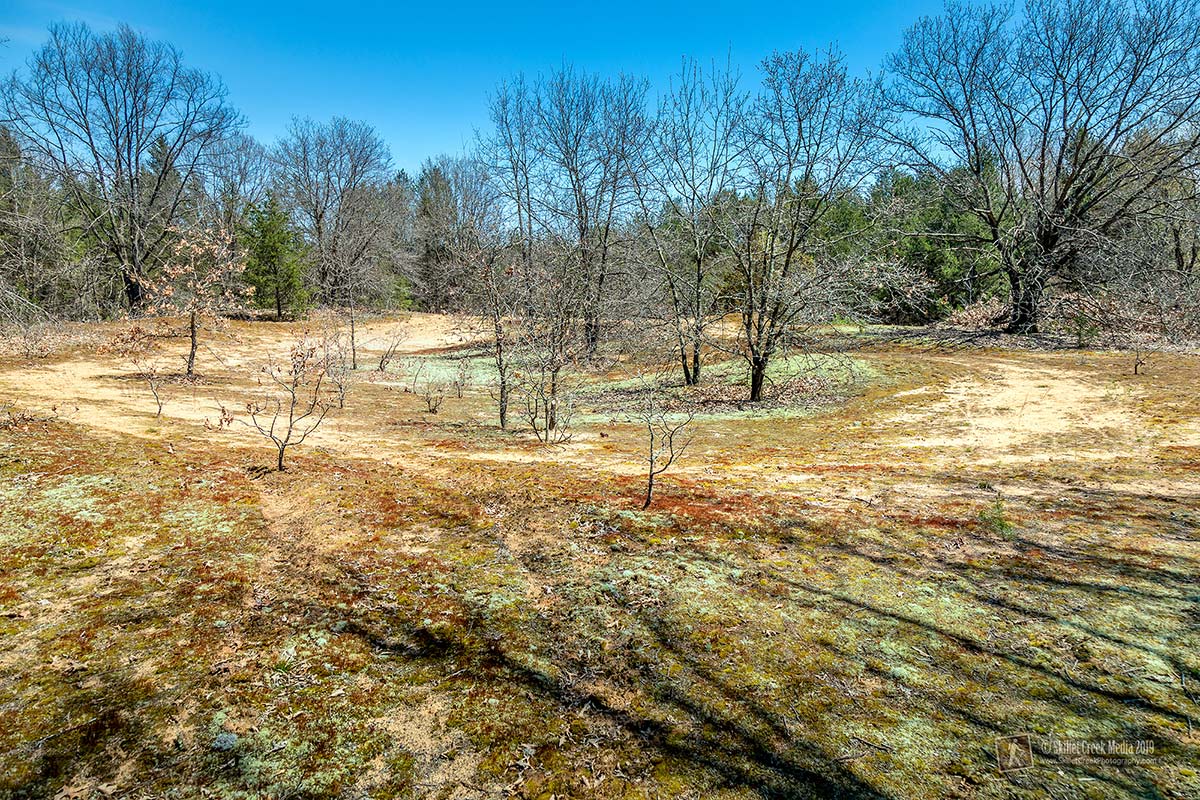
column 999, row 409
column 103, row 391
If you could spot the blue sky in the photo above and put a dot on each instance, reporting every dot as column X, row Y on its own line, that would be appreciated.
column 421, row 73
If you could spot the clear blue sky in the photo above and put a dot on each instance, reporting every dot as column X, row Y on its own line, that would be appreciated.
column 421, row 73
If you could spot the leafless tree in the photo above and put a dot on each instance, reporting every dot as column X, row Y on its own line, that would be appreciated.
column 356, row 266
column 551, row 338
column 546, row 405
column 150, row 373
column 238, row 176
column 329, row 174
column 478, row 238
column 690, row 164
column 432, row 391
column 334, row 176
column 139, row 347
column 807, row 148
column 335, row 363
column 462, row 377
column 560, row 161
column 587, row 137
column 295, row 402
column 561, row 156
column 1180, row 221
column 494, row 296
column 126, row 127
column 508, row 156
column 666, row 437
column 391, row 346
column 1053, row 127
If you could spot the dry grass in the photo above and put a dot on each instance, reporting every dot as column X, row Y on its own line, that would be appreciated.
column 851, row 599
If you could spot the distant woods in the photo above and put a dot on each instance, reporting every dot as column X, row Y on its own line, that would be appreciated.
column 1042, row 160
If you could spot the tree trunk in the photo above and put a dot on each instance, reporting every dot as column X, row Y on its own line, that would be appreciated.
column 191, row 361
column 353, row 342
column 501, row 364
column 278, row 302
column 552, row 403
column 279, row 461
column 503, row 399
column 689, row 378
column 649, row 490
column 695, row 364
column 758, row 373
column 591, row 333
column 687, row 370
column 1027, row 289
column 133, row 290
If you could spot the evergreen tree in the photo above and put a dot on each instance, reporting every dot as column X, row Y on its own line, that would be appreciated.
column 923, row 229
column 273, row 259
column 437, row 214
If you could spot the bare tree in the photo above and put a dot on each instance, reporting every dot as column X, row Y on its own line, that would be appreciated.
column 560, row 161
column 335, row 363
column 462, row 377
column 356, row 265
column 238, row 177
column 334, row 176
column 561, row 156
column 551, row 338
column 495, row 298
column 546, row 405
column 807, row 150
column 150, row 373
column 432, row 391
column 587, row 136
column 666, row 439
column 690, row 164
column 330, row 174
column 126, row 127
column 509, row 155
column 391, row 346
column 296, row 400
column 1055, row 127
column 479, row 241
column 138, row 345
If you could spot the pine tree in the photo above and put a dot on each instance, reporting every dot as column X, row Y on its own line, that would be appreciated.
column 273, row 259
column 436, row 217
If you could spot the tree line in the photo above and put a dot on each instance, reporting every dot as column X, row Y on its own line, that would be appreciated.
column 1044, row 157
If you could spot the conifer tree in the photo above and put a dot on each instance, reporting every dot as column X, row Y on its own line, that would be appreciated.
column 273, row 263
